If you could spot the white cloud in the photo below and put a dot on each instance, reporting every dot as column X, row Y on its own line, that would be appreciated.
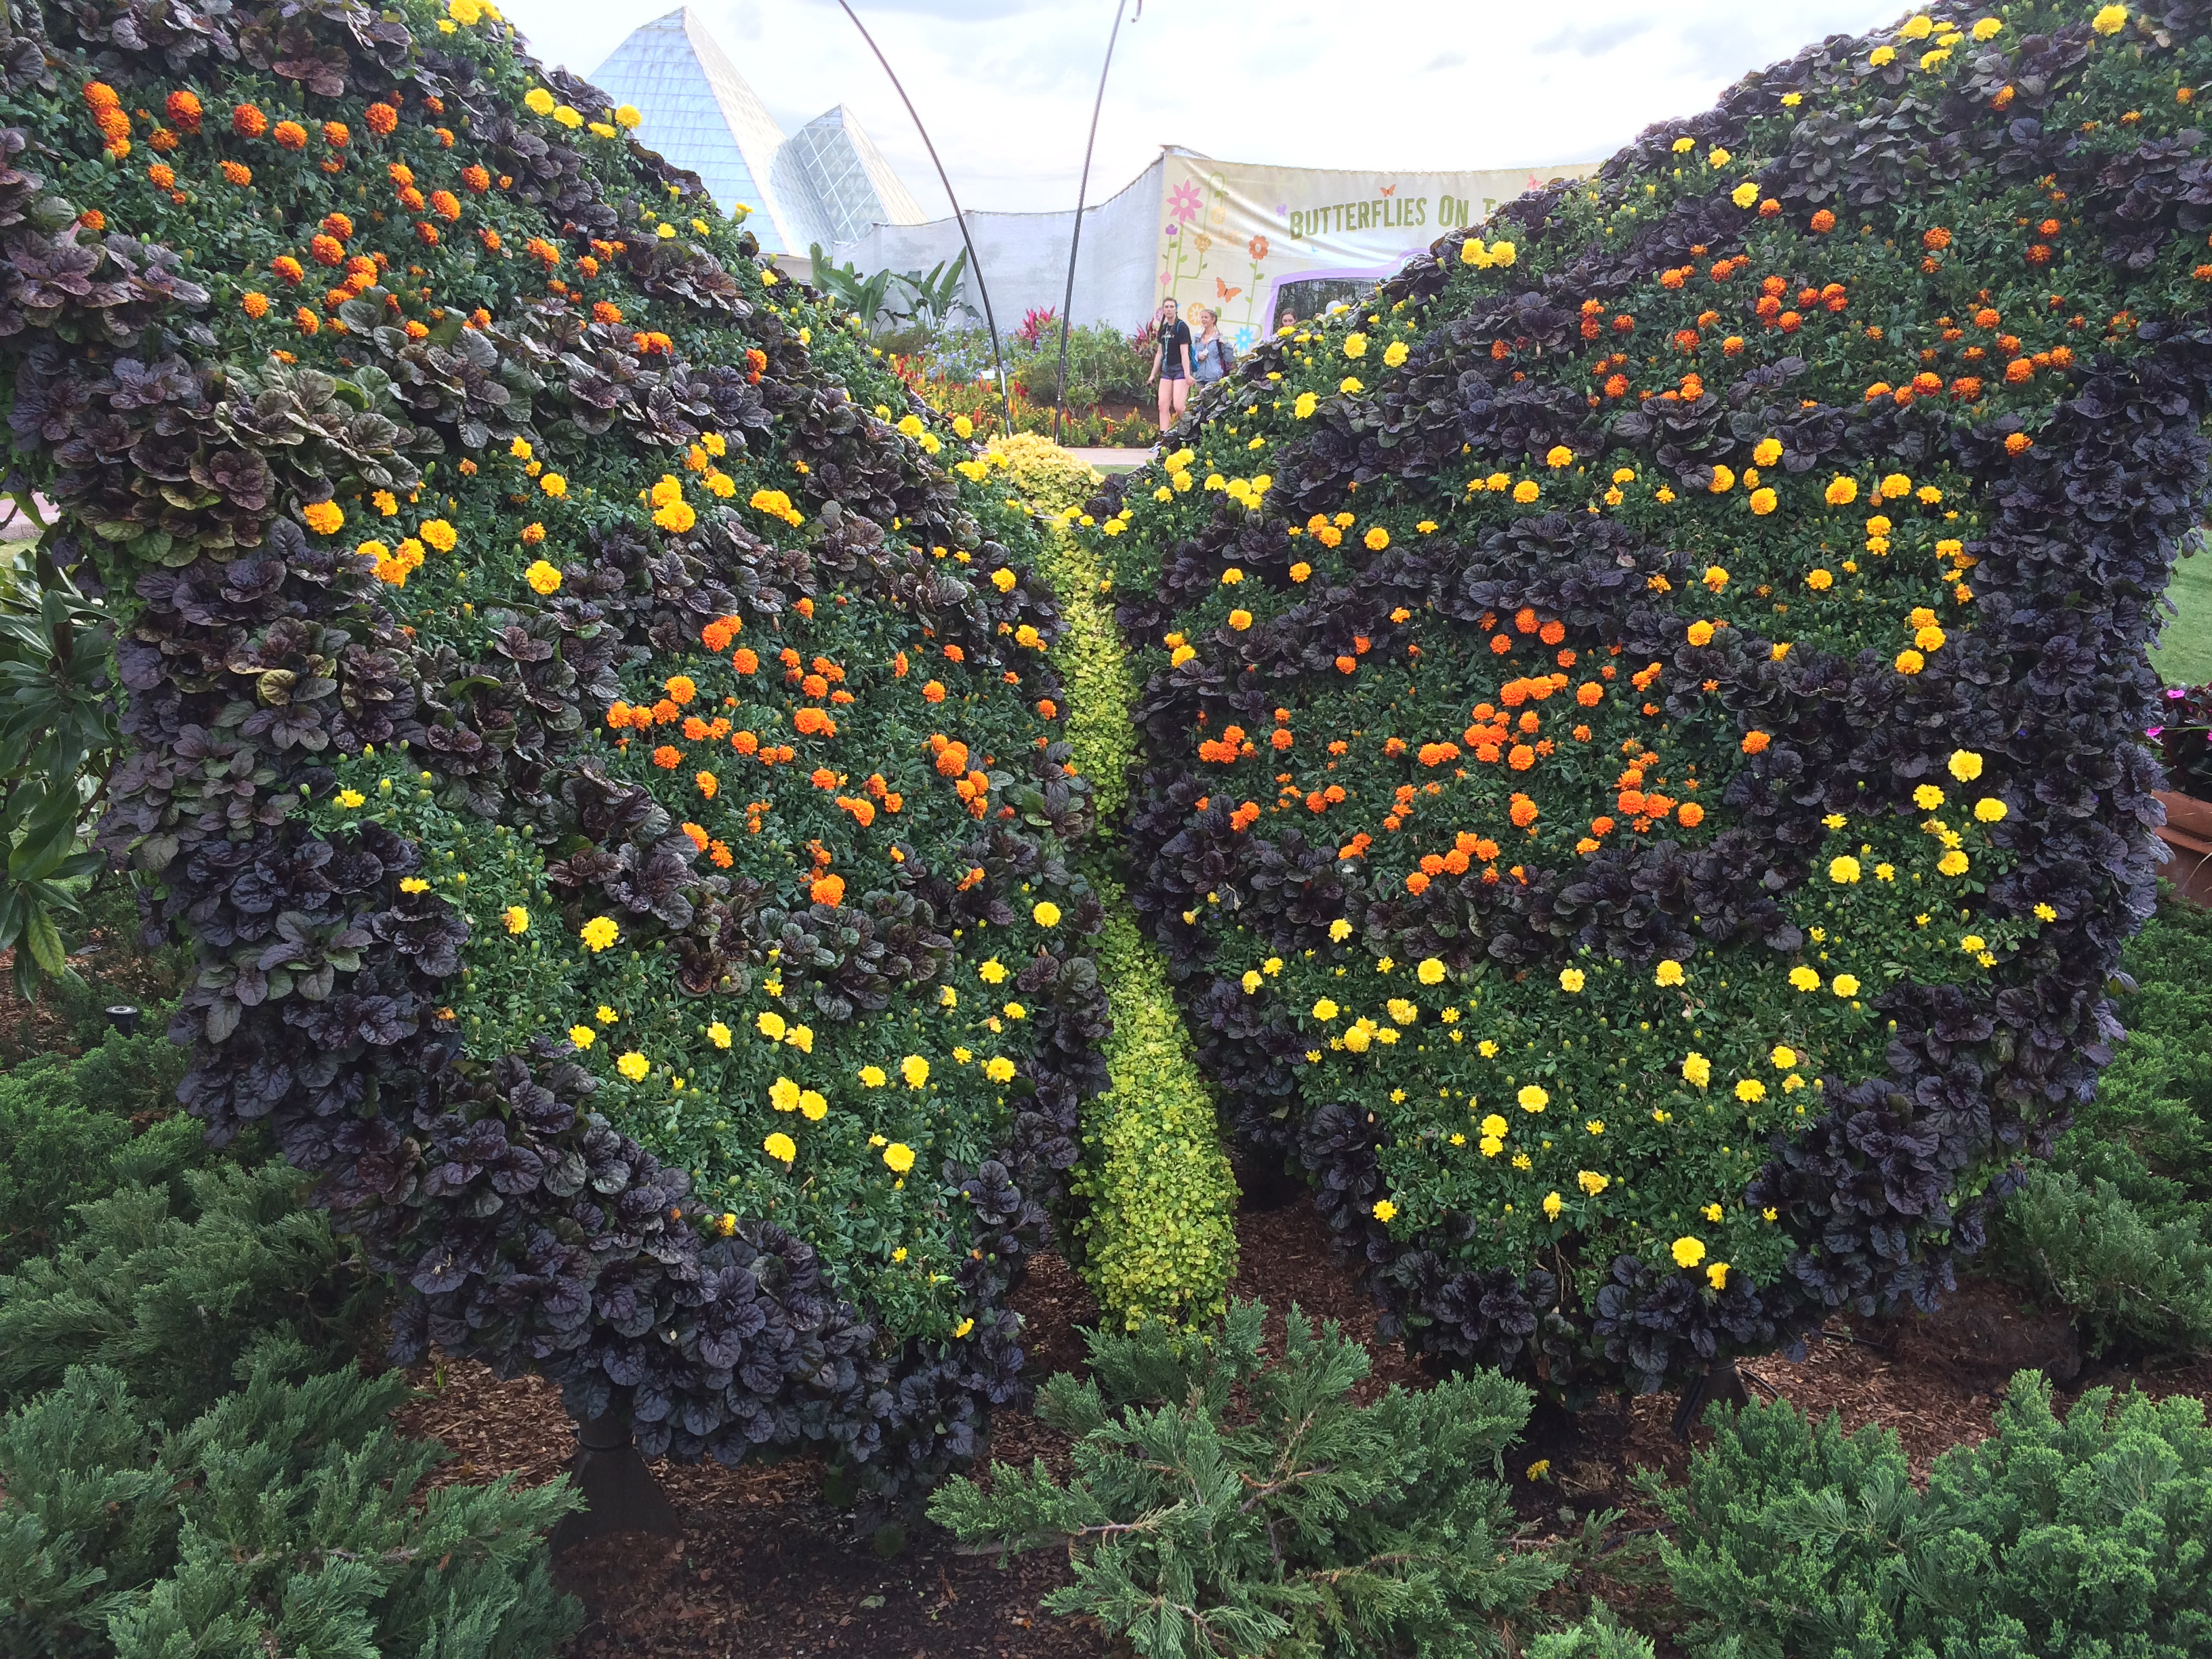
column 1006, row 85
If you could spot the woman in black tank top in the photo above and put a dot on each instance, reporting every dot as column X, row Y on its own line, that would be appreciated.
column 1171, row 365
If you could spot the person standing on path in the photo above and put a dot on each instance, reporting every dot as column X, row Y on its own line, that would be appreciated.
column 1171, row 365
column 1211, row 358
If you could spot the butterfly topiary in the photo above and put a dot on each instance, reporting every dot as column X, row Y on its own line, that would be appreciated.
column 595, row 731
column 1643, row 788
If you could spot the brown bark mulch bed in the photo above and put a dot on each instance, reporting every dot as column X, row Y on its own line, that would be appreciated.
column 765, row 1568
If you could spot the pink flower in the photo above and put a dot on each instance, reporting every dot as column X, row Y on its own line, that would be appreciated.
column 1182, row 204
column 1258, row 248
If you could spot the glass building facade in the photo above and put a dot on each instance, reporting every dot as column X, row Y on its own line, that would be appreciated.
column 827, row 183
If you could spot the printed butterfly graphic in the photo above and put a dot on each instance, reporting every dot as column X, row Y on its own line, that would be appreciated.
column 1223, row 291
column 1388, row 190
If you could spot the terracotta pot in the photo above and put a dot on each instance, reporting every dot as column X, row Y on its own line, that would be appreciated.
column 2188, row 838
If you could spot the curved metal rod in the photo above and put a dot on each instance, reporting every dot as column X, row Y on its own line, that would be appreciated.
column 998, row 358
column 1075, row 236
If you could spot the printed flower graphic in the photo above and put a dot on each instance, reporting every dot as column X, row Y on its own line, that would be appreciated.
column 1182, row 204
column 1257, row 247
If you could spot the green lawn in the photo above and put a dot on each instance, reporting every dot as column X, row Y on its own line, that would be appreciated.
column 2184, row 653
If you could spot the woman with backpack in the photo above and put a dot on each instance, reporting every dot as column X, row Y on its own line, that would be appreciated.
column 1211, row 355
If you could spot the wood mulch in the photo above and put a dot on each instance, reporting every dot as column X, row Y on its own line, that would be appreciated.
column 764, row 1566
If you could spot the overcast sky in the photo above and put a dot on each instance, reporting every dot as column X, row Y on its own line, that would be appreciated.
column 1006, row 85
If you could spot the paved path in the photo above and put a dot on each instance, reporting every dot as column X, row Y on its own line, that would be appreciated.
column 1113, row 460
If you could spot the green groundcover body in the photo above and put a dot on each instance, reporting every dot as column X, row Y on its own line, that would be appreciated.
column 1643, row 784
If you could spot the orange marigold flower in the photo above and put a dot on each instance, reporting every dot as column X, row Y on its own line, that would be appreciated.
column 308, row 322
column 934, row 691
column 667, row 757
column 99, row 95
column 290, row 135
column 1690, row 815
column 248, row 122
column 813, row 723
column 184, row 108
column 383, row 119
column 745, row 661
column 238, row 174
column 827, row 889
column 475, row 179
column 426, row 233
column 681, row 688
column 606, row 311
column 744, row 743
column 1755, row 742
column 445, row 137
column 1935, row 239
column 327, row 250
column 2018, row 443
column 445, row 204
column 255, row 305
column 162, row 175
column 1823, row 222
column 336, row 136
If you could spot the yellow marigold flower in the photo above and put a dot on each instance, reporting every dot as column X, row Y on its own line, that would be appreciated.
column 1394, row 354
column 1571, row 980
column 1592, row 1182
column 992, row 972
column 812, row 1106
column 1882, row 57
column 540, row 101
column 1845, row 985
column 440, row 534
column 1526, row 491
column 1766, row 452
column 1241, row 620
column 1966, row 765
column 1559, row 455
column 915, row 1070
column 770, row 1025
column 2046, row 912
column 1842, row 492
column 323, row 517
column 1351, row 385
column 1355, row 345
column 802, row 1038
column 1953, row 863
column 1385, row 1211
column 1486, row 1048
column 1553, row 1204
column 1533, row 1098
column 554, row 485
column 1339, row 930
column 1045, row 914
column 1377, row 539
column 783, row 1095
column 1844, row 870
column 1494, row 1127
column 582, row 1036
column 1745, row 195
column 1718, row 157
column 516, row 918
column 999, row 1069
column 1782, row 1056
column 543, row 578
column 1688, row 1251
column 634, row 1065
column 1750, row 1089
column 1403, row 1011
column 1804, row 979
column 1432, row 971
column 1927, row 797
column 1324, row 1009
column 1669, row 972
column 1697, row 1070
column 1717, row 1275
column 872, row 1076
column 599, row 932
column 781, row 1147
column 352, row 797
column 1306, row 405
column 1763, row 501
column 1990, row 810
column 2110, row 21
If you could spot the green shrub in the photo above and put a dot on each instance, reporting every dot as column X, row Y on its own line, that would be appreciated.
column 1226, row 1504
column 2082, row 1536
column 288, row 1518
column 67, row 1135
column 1157, row 1237
column 172, row 1295
column 2118, row 1230
column 1160, row 1237
column 1601, row 1636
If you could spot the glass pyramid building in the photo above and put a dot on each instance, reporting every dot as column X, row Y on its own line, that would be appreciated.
column 826, row 183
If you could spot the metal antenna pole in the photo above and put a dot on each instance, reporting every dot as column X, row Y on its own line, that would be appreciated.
column 998, row 358
column 1075, row 236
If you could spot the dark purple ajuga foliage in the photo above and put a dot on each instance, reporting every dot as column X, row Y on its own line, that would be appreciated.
column 533, row 1235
